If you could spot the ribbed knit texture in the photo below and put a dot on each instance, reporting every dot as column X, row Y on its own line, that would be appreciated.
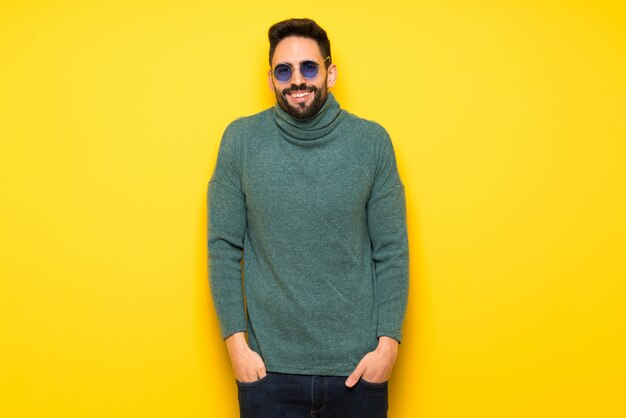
column 317, row 210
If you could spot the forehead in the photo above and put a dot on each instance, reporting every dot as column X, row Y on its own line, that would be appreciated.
column 295, row 49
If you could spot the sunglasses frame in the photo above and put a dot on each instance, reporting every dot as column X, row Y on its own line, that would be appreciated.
column 299, row 68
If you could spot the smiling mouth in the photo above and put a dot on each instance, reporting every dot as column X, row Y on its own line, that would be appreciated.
column 299, row 94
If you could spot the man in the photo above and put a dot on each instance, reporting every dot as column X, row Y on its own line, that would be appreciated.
column 310, row 196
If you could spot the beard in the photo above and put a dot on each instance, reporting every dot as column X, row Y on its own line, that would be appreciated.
column 302, row 110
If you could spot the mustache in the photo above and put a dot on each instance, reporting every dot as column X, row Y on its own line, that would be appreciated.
column 301, row 87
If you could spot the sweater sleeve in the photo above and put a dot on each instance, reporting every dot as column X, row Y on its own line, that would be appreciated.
column 226, row 231
column 386, row 217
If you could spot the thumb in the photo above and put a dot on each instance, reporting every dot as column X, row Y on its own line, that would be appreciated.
column 356, row 375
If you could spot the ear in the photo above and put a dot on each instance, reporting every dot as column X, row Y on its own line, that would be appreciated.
column 331, row 77
column 270, row 81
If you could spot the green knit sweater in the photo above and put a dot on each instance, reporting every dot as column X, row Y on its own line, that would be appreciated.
column 316, row 209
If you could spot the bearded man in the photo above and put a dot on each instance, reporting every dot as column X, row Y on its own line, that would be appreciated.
column 309, row 197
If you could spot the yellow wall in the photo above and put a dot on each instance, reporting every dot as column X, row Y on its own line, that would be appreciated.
column 509, row 122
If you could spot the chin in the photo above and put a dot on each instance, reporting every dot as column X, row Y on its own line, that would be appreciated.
column 302, row 110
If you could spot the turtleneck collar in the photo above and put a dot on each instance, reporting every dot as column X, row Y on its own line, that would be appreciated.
column 313, row 129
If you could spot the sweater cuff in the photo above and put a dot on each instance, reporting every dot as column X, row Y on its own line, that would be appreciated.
column 230, row 334
column 386, row 332
column 228, row 330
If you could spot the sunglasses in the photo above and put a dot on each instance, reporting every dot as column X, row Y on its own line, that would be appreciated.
column 308, row 69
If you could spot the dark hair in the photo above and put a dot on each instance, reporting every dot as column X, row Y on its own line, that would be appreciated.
column 304, row 28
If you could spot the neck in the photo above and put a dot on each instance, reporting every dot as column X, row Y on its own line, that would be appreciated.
column 313, row 129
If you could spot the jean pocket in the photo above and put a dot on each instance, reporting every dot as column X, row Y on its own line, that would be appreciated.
column 252, row 384
column 374, row 384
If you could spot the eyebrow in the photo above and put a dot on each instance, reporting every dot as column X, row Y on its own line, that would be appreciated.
column 303, row 61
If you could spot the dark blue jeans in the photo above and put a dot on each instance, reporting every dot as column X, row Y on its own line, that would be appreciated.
column 298, row 396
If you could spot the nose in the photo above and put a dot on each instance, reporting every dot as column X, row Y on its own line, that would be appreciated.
column 296, row 77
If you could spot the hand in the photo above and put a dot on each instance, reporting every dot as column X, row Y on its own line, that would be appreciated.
column 376, row 366
column 248, row 365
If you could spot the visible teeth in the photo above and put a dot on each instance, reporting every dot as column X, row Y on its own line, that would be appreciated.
column 298, row 95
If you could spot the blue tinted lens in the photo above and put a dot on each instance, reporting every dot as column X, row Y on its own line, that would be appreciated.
column 282, row 72
column 308, row 69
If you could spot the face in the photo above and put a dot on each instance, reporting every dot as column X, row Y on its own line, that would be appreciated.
column 301, row 97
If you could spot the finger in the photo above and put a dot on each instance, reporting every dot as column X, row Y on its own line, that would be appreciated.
column 247, row 378
column 356, row 375
column 261, row 372
column 374, row 378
